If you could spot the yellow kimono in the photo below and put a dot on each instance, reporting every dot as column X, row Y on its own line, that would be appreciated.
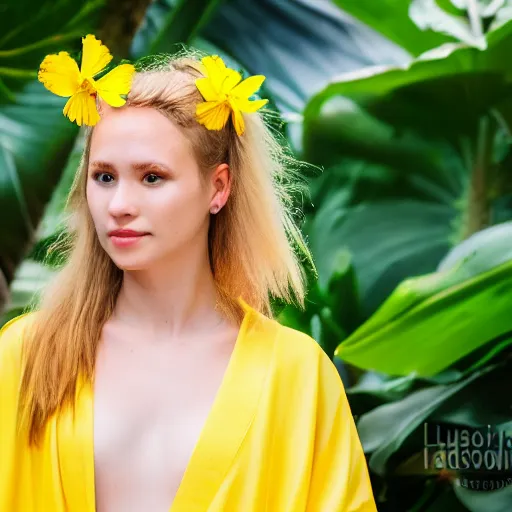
column 280, row 436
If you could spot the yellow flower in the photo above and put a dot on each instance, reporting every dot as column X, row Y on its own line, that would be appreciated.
column 225, row 94
column 60, row 74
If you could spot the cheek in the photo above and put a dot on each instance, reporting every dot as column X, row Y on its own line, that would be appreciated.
column 179, row 214
column 182, row 201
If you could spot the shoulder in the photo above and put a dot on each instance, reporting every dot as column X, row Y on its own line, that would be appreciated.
column 11, row 335
column 15, row 327
column 296, row 343
column 297, row 352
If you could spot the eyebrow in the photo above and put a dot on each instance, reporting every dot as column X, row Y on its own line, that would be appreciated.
column 137, row 166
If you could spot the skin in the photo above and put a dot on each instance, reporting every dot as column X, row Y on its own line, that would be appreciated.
column 165, row 347
column 168, row 283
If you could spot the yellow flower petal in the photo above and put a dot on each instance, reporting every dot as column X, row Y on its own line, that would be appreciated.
column 95, row 56
column 213, row 114
column 222, row 78
column 231, row 78
column 215, row 71
column 224, row 93
column 116, row 82
column 59, row 74
column 81, row 107
column 238, row 120
column 248, row 87
column 248, row 105
column 206, row 89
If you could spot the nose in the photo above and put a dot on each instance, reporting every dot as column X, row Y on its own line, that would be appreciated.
column 123, row 200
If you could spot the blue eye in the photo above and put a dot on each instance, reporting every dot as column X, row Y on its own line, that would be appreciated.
column 154, row 176
column 96, row 175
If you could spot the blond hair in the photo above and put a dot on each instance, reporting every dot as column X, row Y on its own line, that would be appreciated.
column 254, row 244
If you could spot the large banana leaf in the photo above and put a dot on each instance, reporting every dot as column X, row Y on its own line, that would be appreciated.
column 169, row 22
column 430, row 322
column 444, row 92
column 264, row 36
column 384, row 429
column 394, row 433
column 35, row 138
column 404, row 203
column 397, row 218
column 30, row 29
column 391, row 18
column 420, row 25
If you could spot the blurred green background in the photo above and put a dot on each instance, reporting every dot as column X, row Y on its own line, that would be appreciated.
column 405, row 109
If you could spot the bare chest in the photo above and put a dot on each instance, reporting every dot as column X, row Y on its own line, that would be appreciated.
column 150, row 405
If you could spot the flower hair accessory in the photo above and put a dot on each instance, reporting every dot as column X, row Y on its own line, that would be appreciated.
column 59, row 73
column 225, row 93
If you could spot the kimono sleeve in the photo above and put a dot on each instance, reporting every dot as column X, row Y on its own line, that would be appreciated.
column 10, row 375
column 339, row 480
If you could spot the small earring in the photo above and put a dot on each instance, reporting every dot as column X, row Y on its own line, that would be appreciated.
column 214, row 209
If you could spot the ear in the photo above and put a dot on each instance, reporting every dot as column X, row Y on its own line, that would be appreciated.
column 221, row 187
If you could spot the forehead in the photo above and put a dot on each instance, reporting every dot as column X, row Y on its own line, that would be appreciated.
column 134, row 133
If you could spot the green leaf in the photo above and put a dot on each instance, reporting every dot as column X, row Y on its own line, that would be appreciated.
column 485, row 8
column 394, row 117
column 375, row 389
column 343, row 295
column 482, row 404
column 482, row 251
column 383, row 208
column 264, row 36
column 383, row 430
column 427, row 14
column 412, row 237
column 338, row 128
column 445, row 92
column 430, row 322
column 52, row 26
column 182, row 23
column 35, row 140
column 454, row 7
column 391, row 18
column 500, row 27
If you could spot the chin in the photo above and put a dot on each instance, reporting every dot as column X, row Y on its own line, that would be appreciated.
column 131, row 263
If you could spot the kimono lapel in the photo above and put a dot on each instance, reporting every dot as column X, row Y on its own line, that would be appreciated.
column 231, row 415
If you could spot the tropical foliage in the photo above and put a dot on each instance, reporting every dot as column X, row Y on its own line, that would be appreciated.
column 408, row 111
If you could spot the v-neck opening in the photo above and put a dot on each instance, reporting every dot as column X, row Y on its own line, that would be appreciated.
column 194, row 462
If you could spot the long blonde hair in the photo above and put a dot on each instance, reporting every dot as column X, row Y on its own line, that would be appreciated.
column 255, row 244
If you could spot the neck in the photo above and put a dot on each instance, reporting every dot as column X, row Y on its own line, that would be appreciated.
column 172, row 298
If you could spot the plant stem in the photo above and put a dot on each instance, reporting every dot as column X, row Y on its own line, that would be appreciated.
column 120, row 21
column 59, row 38
column 474, row 19
column 478, row 205
column 28, row 74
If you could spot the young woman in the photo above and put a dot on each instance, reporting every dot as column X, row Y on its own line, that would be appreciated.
column 152, row 376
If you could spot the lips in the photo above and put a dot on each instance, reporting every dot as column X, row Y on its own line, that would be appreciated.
column 126, row 237
column 126, row 233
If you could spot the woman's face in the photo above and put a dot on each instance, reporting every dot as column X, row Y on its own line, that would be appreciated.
column 143, row 176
